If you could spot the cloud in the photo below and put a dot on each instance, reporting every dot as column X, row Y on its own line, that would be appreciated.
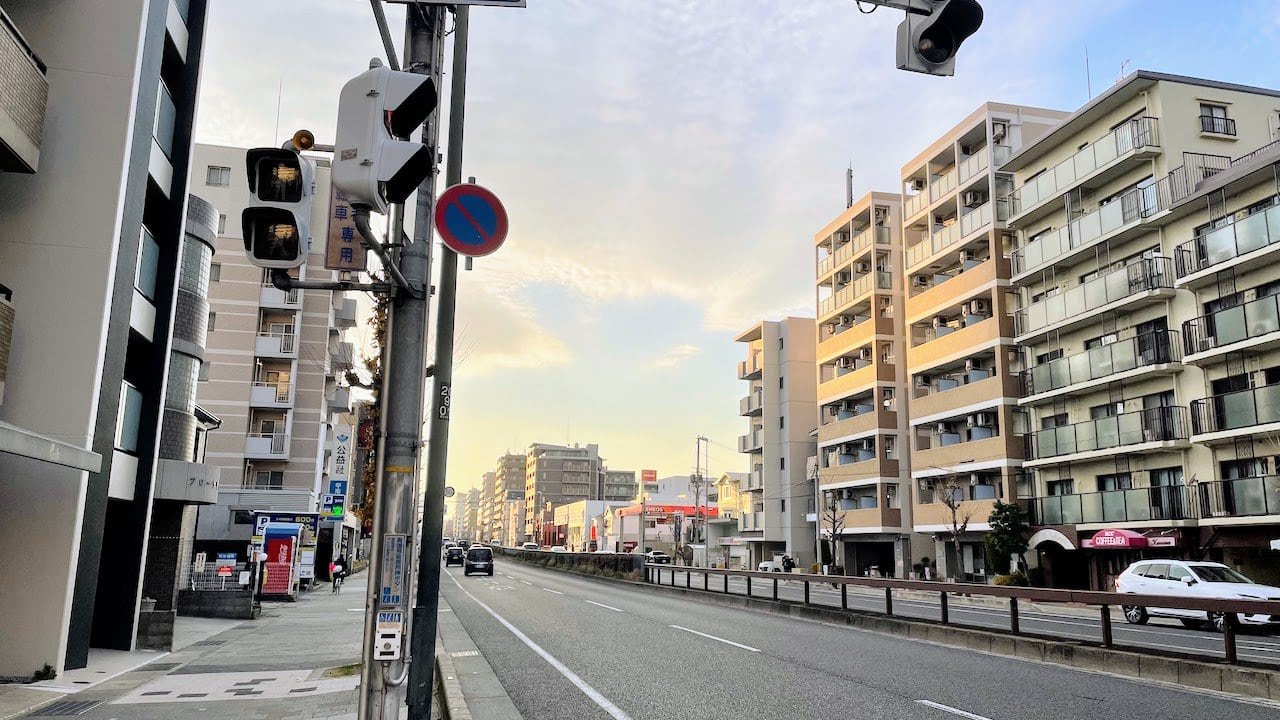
column 676, row 356
column 495, row 332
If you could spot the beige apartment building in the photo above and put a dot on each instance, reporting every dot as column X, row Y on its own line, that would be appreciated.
column 966, row 435
column 1146, row 228
column 781, row 412
column 274, row 365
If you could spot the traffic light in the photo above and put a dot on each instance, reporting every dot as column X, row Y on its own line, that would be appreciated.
column 928, row 43
column 374, row 162
column 278, row 222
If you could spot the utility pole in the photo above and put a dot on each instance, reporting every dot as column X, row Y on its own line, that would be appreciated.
column 382, row 681
column 428, row 586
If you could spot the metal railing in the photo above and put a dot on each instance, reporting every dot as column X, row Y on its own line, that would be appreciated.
column 284, row 390
column 287, row 340
column 1162, row 502
column 1235, row 410
column 1219, row 125
column 1131, row 428
column 1240, row 497
column 1229, row 241
column 1103, row 601
column 1152, row 348
column 1139, row 276
column 915, row 203
column 943, row 184
column 279, row 441
column 1245, row 321
column 942, row 237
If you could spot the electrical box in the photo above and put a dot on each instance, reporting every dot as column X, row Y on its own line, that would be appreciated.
column 387, row 646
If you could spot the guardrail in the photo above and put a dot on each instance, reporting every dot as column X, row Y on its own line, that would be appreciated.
column 1104, row 601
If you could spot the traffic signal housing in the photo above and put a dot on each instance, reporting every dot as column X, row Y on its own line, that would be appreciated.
column 374, row 162
column 929, row 43
column 277, row 225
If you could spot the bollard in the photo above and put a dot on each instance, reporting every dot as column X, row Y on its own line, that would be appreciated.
column 1106, row 626
column 748, row 586
column 844, row 596
column 888, row 601
column 1229, row 636
column 775, row 588
column 942, row 602
column 706, row 581
column 726, row 583
column 806, row 592
column 1013, row 615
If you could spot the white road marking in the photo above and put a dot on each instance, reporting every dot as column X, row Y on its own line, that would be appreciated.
column 607, row 607
column 717, row 639
column 526, row 582
column 953, row 711
column 553, row 591
column 604, row 702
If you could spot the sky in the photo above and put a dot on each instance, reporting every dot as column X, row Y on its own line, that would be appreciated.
column 665, row 166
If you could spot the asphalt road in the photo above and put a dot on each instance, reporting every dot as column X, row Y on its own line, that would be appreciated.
column 1162, row 634
column 567, row 647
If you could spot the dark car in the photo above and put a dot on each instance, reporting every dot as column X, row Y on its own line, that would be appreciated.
column 657, row 557
column 454, row 556
column 479, row 559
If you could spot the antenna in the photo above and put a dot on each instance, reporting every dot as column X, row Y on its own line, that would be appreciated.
column 1124, row 68
column 848, row 182
column 1088, row 77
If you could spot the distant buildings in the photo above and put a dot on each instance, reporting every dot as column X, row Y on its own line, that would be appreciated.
column 561, row 474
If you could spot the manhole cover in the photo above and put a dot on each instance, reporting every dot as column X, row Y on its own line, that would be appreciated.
column 465, row 653
column 64, row 708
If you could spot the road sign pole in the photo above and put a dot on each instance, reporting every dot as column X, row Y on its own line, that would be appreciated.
column 385, row 668
column 428, row 584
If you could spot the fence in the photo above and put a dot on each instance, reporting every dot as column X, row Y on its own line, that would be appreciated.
column 1104, row 601
column 594, row 563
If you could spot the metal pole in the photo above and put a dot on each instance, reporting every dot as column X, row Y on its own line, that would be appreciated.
column 382, row 682
column 428, row 585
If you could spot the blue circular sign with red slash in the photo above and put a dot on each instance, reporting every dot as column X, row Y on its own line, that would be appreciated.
column 471, row 220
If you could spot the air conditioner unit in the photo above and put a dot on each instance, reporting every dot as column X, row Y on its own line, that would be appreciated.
column 844, row 319
column 862, row 266
column 980, row 307
column 968, row 255
column 864, row 354
column 972, row 198
column 965, row 309
column 844, row 362
column 982, row 419
column 966, row 149
column 847, row 405
column 921, row 281
column 881, row 215
column 973, row 364
column 938, row 321
column 973, row 479
column 999, row 129
column 843, row 276
column 918, row 183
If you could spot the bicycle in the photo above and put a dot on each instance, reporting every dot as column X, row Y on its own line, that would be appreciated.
column 337, row 583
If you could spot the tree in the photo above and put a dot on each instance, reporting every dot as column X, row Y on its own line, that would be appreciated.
column 950, row 492
column 1008, row 536
column 833, row 518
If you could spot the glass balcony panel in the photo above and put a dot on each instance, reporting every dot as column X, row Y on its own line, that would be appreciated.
column 1124, row 356
column 1229, row 325
column 1080, row 367
column 1250, row 496
column 1091, row 508
column 1267, row 403
column 1138, row 503
column 166, row 120
column 1251, row 233
column 1113, row 506
column 1261, row 317
column 1236, row 410
column 1111, row 216
column 1219, row 245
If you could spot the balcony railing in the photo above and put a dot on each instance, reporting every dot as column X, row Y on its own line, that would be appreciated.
column 271, row 392
column 1235, row 410
column 1242, row 497
column 1136, row 135
column 22, row 108
column 980, row 217
column 942, row 237
column 1229, row 242
column 275, row 443
column 915, row 203
column 982, row 160
column 1246, row 321
column 1140, row 276
column 1219, row 125
column 1161, row 424
column 750, row 442
column 749, row 369
column 1152, row 348
column 751, row 404
column 1164, row 502
column 276, row 343
column 943, row 184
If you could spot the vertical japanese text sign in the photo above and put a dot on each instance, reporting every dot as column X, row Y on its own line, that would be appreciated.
column 344, row 250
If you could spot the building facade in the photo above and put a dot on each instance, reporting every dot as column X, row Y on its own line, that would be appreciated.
column 560, row 474
column 506, row 484
column 966, row 436
column 274, row 368
column 95, row 146
column 781, row 412
column 1147, row 322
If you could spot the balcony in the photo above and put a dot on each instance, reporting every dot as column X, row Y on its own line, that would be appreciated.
column 851, row 466
column 1253, row 325
column 752, row 405
column 958, row 454
column 914, row 204
column 934, row 347
column 949, row 395
column 947, row 289
column 870, row 520
column 165, row 121
column 750, row 369
column 928, row 515
column 942, row 237
column 855, row 335
column 276, row 344
column 1242, row 497
column 266, row 446
column 751, row 442
column 1098, row 162
column 22, row 106
column 867, row 419
column 344, row 314
column 857, row 379
column 270, row 296
column 753, row 521
column 1149, row 352
column 941, row 185
column 339, row 400
column 1143, row 281
column 271, row 394
column 1242, row 245
column 1119, row 219
column 1239, row 410
column 1217, row 125
column 1142, row 430
column 342, row 356
column 980, row 161
column 755, row 478
column 1149, row 504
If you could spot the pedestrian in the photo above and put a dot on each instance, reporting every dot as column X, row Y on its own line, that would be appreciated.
column 337, row 571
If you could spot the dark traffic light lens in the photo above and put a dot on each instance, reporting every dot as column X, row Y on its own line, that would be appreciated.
column 272, row 234
column 278, row 180
column 936, row 45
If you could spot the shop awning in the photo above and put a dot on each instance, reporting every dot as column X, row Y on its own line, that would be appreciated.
column 1125, row 539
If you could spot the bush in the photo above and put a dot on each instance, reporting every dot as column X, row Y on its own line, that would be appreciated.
column 1016, row 579
column 1035, row 576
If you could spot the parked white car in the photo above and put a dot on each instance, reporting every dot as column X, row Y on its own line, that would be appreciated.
column 530, row 546
column 1188, row 579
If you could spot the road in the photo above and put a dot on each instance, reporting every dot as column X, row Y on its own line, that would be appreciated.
column 569, row 647
column 1161, row 634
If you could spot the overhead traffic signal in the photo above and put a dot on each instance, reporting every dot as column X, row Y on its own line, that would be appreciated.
column 277, row 225
column 374, row 162
column 928, row 43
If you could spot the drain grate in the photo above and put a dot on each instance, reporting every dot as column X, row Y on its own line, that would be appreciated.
column 465, row 653
column 208, row 643
column 65, row 708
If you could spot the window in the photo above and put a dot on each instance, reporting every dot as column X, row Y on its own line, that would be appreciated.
column 148, row 266
column 215, row 272
column 273, row 479
column 1213, row 119
column 218, row 176
column 782, row 383
column 1106, row 410
column 1053, row 421
column 782, row 463
column 242, row 517
column 780, row 343
column 129, row 420
column 1050, row 356
column 222, row 223
column 1055, row 488
column 1115, row 481
column 213, row 316
column 1177, row 572
column 1156, row 571
column 1165, row 477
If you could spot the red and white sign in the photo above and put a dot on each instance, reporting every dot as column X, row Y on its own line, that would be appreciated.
column 1121, row 539
column 279, row 570
column 225, row 571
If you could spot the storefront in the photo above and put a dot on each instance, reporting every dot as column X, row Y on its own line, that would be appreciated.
column 1111, row 550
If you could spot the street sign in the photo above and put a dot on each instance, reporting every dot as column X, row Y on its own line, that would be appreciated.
column 344, row 250
column 449, row 491
column 395, row 558
column 471, row 220
column 337, row 487
column 333, row 506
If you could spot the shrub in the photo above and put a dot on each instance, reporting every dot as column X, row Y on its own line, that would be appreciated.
column 1015, row 578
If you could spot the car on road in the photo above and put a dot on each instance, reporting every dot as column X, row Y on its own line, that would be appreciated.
column 559, row 549
column 657, row 557
column 530, row 546
column 770, row 566
column 453, row 556
column 1189, row 579
column 479, row 559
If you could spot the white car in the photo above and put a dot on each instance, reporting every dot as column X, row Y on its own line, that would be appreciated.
column 1188, row 579
column 530, row 546
column 559, row 549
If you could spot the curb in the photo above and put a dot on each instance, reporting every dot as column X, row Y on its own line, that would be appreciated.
column 1238, row 680
column 469, row 688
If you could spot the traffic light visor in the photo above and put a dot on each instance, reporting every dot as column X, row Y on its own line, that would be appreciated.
column 271, row 234
column 275, row 175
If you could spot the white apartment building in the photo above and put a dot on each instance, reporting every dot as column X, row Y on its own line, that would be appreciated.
column 274, row 366
column 781, row 412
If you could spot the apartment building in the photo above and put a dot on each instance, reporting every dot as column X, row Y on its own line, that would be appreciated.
column 471, row 517
column 488, row 514
column 560, row 474
column 509, row 487
column 725, row 546
column 274, row 367
column 966, row 440
column 781, row 412
column 96, row 113
column 863, row 453
column 1148, row 321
